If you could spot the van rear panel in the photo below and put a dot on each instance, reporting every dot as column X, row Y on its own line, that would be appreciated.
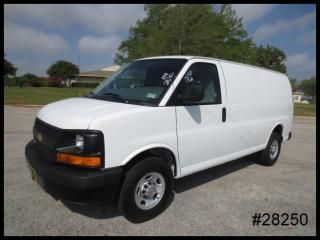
column 257, row 100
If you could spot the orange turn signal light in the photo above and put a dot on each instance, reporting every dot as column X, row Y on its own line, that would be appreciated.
column 83, row 161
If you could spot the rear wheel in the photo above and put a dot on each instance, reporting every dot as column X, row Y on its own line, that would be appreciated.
column 270, row 154
column 146, row 189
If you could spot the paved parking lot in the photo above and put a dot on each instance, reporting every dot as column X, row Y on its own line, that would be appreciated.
column 218, row 201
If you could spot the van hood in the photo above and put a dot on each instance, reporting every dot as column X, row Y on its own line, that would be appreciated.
column 77, row 113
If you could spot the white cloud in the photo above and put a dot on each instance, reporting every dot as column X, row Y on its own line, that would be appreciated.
column 25, row 66
column 301, row 65
column 108, row 18
column 101, row 18
column 251, row 12
column 22, row 39
column 95, row 66
column 49, row 15
column 267, row 30
column 99, row 45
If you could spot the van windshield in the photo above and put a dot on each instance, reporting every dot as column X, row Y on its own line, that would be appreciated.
column 140, row 82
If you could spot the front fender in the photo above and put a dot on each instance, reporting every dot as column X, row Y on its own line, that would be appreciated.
column 142, row 149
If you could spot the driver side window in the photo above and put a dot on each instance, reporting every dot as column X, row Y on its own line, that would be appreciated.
column 207, row 75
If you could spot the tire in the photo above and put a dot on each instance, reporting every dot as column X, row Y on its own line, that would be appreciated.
column 268, row 157
column 133, row 204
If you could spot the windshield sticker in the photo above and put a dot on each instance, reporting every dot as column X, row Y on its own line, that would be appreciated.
column 188, row 77
column 167, row 78
column 151, row 95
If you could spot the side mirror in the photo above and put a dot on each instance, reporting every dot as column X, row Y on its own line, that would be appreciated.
column 193, row 92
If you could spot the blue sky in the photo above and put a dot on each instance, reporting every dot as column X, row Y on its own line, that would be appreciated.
column 37, row 35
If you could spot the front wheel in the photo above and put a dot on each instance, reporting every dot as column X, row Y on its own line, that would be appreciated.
column 146, row 190
column 270, row 154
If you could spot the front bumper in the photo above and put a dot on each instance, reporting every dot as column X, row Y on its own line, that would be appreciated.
column 72, row 183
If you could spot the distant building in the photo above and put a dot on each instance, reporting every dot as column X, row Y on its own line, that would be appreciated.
column 56, row 81
column 297, row 97
column 96, row 76
column 305, row 101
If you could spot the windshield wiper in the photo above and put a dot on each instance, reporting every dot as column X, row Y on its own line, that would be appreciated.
column 145, row 103
column 90, row 93
column 118, row 97
column 111, row 94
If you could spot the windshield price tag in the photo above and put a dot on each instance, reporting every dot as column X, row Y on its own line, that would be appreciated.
column 166, row 77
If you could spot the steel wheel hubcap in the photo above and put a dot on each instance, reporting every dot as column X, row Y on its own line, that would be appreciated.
column 274, row 149
column 149, row 190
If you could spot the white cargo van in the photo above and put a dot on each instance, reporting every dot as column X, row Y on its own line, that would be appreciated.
column 155, row 120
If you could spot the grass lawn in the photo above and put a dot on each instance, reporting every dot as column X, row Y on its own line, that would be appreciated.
column 304, row 109
column 45, row 95
column 40, row 95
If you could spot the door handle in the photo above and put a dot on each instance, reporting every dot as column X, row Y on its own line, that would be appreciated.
column 224, row 114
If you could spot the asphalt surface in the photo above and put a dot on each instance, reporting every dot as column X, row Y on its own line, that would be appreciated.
column 218, row 201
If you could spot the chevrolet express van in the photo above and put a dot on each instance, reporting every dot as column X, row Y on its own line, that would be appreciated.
column 155, row 120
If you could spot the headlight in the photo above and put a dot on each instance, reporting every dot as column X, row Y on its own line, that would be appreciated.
column 79, row 141
column 85, row 148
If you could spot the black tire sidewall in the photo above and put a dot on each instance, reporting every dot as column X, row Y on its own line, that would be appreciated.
column 265, row 158
column 127, row 204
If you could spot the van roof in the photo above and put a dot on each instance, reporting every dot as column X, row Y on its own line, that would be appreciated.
column 209, row 58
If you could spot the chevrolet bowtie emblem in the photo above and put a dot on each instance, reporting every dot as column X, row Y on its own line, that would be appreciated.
column 39, row 136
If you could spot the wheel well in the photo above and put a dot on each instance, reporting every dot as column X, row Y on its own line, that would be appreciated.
column 278, row 129
column 163, row 153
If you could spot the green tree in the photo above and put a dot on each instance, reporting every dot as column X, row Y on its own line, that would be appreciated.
column 30, row 79
column 309, row 87
column 8, row 68
column 63, row 69
column 143, row 37
column 294, row 84
column 269, row 57
column 195, row 29
column 184, row 29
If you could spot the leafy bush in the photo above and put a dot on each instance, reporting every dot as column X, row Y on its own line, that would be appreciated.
column 308, row 86
column 21, row 82
column 31, row 80
column 34, row 81
column 54, row 82
column 25, row 80
column 10, row 81
column 85, row 84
